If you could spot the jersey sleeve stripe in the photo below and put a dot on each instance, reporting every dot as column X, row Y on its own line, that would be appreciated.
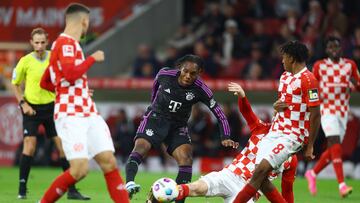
column 204, row 87
column 223, row 120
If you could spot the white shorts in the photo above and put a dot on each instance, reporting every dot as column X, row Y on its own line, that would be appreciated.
column 224, row 184
column 276, row 148
column 84, row 137
column 334, row 125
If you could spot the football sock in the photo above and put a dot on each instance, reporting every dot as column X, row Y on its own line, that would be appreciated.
column 183, row 191
column 274, row 196
column 245, row 194
column 116, row 187
column 25, row 165
column 65, row 166
column 132, row 166
column 336, row 153
column 58, row 187
column 183, row 177
column 322, row 162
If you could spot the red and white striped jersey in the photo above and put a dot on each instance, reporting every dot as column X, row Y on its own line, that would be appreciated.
column 335, row 83
column 67, row 70
column 299, row 91
column 244, row 163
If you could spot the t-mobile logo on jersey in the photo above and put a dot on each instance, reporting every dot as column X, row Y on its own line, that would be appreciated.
column 174, row 105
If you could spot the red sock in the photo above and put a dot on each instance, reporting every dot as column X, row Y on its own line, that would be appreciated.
column 245, row 194
column 336, row 158
column 116, row 187
column 274, row 196
column 58, row 187
column 322, row 162
column 183, row 191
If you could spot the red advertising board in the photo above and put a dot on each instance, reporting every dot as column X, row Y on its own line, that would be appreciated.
column 10, row 130
column 19, row 17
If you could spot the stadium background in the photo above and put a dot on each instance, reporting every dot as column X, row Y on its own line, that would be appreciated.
column 236, row 38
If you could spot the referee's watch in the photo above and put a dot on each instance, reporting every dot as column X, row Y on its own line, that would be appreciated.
column 21, row 102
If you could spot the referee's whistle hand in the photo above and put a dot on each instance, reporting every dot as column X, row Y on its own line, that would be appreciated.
column 28, row 110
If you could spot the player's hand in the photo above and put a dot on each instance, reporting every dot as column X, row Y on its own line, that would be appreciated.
column 27, row 109
column 236, row 89
column 230, row 143
column 98, row 55
column 280, row 106
column 308, row 152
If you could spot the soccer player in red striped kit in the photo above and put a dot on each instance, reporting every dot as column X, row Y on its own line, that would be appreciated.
column 84, row 133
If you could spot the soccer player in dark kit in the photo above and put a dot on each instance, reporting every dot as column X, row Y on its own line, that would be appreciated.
column 165, row 121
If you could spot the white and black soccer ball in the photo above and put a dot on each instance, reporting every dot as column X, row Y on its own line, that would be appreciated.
column 165, row 190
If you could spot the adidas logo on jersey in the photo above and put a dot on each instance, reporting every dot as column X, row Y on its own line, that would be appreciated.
column 167, row 90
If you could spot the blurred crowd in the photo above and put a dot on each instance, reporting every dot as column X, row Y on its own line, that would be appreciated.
column 240, row 38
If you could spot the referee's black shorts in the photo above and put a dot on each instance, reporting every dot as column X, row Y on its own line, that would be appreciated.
column 44, row 115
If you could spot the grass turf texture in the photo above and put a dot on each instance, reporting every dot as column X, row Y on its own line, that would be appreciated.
column 94, row 186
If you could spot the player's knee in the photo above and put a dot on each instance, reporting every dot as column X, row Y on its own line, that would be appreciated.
column 79, row 172
column 108, row 163
column 142, row 146
column 29, row 146
column 198, row 188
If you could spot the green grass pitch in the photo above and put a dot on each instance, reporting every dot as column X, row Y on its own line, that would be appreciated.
column 94, row 185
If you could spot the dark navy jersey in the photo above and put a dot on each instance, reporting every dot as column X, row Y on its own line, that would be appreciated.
column 174, row 102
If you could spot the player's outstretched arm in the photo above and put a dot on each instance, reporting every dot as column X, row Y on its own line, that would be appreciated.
column 244, row 105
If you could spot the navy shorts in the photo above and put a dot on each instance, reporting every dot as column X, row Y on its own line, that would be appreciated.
column 157, row 129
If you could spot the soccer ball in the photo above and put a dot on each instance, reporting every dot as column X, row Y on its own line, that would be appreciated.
column 165, row 190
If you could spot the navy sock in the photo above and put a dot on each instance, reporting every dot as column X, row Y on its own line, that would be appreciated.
column 132, row 166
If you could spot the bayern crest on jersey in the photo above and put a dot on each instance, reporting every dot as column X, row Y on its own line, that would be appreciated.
column 189, row 96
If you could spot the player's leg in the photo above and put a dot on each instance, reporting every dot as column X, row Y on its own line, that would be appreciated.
column 49, row 125
column 150, row 132
column 114, row 182
column 73, row 134
column 270, row 192
column 179, row 147
column 72, row 193
column 101, row 147
column 274, row 149
column 30, row 126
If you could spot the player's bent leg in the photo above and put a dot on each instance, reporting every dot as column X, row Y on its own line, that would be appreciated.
column 141, row 148
column 271, row 193
column 29, row 147
column 73, row 192
column 114, row 182
column 78, row 170
column 260, row 175
column 197, row 188
column 336, row 156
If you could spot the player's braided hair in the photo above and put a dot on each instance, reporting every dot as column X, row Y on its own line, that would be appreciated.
column 190, row 58
column 296, row 50
column 76, row 7
column 332, row 39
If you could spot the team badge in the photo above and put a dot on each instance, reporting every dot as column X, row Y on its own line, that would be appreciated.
column 313, row 95
column 212, row 103
column 149, row 132
column 190, row 96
